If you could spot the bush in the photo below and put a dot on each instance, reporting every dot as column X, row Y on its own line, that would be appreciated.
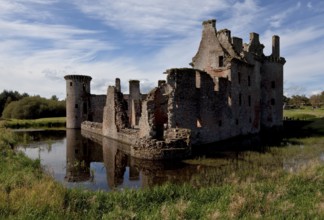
column 34, row 107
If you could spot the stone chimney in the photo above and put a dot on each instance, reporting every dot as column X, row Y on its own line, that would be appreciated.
column 237, row 44
column 275, row 46
column 117, row 85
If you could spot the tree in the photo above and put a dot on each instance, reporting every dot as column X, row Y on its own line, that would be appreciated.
column 315, row 101
column 6, row 97
column 34, row 107
column 298, row 101
column 54, row 98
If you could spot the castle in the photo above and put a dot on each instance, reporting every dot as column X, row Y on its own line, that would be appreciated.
column 232, row 89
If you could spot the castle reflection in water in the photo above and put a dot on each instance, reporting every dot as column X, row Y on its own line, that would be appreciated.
column 95, row 162
column 81, row 150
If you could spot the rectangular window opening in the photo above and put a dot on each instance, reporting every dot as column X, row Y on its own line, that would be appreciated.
column 249, row 100
column 71, row 83
column 199, row 123
column 221, row 61
column 236, row 121
column 198, row 80
column 273, row 84
column 85, row 108
column 76, row 106
column 220, row 123
column 273, row 102
column 216, row 81
column 240, row 99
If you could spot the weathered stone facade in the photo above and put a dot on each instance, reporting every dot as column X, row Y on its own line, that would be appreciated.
column 233, row 89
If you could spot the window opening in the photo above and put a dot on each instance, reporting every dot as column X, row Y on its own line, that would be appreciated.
column 199, row 123
column 221, row 61
column 273, row 84
column 272, row 101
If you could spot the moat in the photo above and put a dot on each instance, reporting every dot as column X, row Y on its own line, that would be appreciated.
column 90, row 163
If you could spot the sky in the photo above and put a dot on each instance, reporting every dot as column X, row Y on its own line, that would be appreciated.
column 41, row 41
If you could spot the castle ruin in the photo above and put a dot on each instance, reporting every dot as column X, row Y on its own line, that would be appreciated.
column 232, row 89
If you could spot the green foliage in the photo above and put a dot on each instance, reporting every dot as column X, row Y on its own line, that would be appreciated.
column 34, row 107
column 6, row 97
column 298, row 101
column 317, row 100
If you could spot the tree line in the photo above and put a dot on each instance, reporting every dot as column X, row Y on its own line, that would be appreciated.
column 298, row 101
column 23, row 106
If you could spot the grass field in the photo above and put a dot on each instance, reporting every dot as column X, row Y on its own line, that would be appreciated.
column 305, row 113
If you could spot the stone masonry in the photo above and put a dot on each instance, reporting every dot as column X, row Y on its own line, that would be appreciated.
column 232, row 89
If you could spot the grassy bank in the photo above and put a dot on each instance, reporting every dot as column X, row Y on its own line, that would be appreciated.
column 35, row 123
column 304, row 113
column 28, row 193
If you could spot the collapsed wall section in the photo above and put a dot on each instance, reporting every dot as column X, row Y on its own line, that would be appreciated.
column 114, row 117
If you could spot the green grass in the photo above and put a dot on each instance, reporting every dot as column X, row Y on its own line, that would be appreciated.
column 35, row 123
column 266, row 193
column 306, row 113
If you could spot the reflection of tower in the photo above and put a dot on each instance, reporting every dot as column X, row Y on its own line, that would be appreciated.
column 77, row 157
column 115, row 162
column 77, row 100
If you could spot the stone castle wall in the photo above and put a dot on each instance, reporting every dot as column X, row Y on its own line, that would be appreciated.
column 97, row 104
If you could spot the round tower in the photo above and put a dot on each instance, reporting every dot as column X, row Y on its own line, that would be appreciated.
column 77, row 100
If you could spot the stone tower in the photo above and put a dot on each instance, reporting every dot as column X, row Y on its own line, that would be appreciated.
column 77, row 100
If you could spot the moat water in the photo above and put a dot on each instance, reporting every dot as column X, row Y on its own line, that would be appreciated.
column 97, row 163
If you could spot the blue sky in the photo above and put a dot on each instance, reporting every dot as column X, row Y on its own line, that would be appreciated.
column 43, row 40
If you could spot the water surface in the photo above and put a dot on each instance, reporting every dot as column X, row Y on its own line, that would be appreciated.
column 97, row 163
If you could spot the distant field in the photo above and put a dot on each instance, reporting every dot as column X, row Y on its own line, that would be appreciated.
column 35, row 123
column 304, row 113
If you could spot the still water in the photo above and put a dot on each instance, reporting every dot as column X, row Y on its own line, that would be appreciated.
column 92, row 162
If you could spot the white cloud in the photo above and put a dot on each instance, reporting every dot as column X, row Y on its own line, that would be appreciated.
column 152, row 17
column 277, row 19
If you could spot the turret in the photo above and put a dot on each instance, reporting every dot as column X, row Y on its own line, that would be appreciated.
column 77, row 100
